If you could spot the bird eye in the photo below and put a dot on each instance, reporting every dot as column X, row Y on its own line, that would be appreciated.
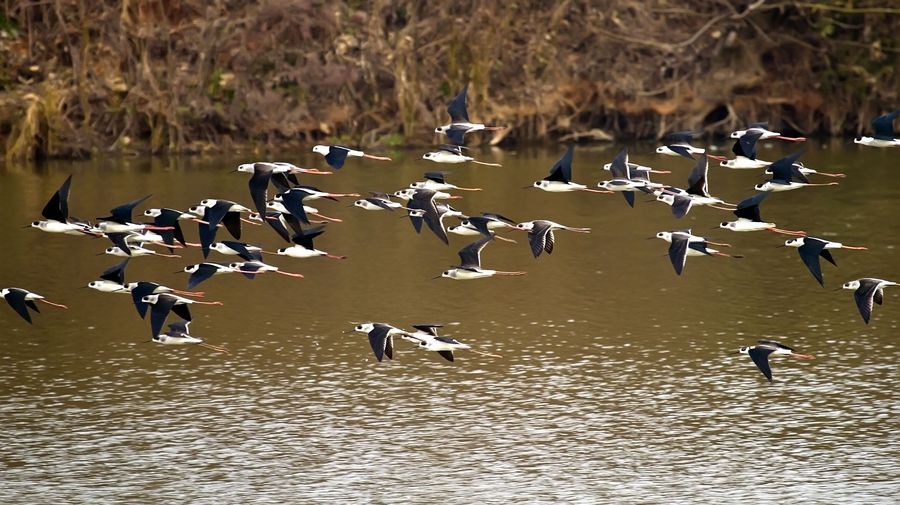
column 723, row 224
column 359, row 327
column 35, row 223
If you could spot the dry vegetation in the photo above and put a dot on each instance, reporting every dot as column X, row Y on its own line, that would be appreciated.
column 80, row 76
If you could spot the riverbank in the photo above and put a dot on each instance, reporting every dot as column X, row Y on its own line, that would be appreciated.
column 78, row 78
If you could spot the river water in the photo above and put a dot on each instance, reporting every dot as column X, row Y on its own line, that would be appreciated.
column 616, row 383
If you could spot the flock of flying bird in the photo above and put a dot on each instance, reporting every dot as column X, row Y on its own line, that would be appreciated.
column 290, row 216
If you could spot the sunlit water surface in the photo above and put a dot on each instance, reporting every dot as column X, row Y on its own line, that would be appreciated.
column 615, row 382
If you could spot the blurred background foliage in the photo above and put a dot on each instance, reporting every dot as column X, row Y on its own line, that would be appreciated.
column 85, row 76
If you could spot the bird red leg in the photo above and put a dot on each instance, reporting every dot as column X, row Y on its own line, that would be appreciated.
column 468, row 189
column 313, row 171
column 591, row 190
column 289, row 274
column 720, row 244
column 826, row 174
column 716, row 157
column 214, row 347
column 855, row 248
column 509, row 273
column 720, row 208
column 254, row 223
column 208, row 303
column 727, row 255
column 333, row 219
column 485, row 353
column 660, row 171
column 801, row 356
column 338, row 195
column 158, row 228
column 195, row 294
column 53, row 304
column 787, row 232
column 823, row 184
column 487, row 164
column 335, row 257
column 494, row 128
column 165, row 255
column 498, row 237
column 373, row 157
column 791, row 139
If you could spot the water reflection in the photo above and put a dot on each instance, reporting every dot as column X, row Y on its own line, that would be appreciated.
column 615, row 382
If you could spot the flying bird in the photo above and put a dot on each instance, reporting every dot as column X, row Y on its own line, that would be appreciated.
column 867, row 291
column 20, row 300
column 470, row 263
column 560, row 178
column 884, row 132
column 459, row 124
column 811, row 248
column 749, row 219
column 335, row 156
column 760, row 355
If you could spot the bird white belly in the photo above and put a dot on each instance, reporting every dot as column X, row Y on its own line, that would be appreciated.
column 562, row 187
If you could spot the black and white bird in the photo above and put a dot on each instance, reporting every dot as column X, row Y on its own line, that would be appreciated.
column 381, row 338
column 335, row 156
column 683, row 244
column 427, row 338
column 485, row 224
column 112, row 280
column 749, row 219
column 303, row 245
column 762, row 128
column 784, row 171
column 178, row 334
column 697, row 193
column 744, row 150
column 866, row 292
column 679, row 144
column 460, row 124
column 453, row 154
column 760, row 355
column 811, row 248
column 432, row 213
column 201, row 272
column 560, row 178
column 119, row 220
column 805, row 170
column 141, row 289
column 56, row 214
column 435, row 181
column 215, row 211
column 540, row 234
column 883, row 126
column 377, row 201
column 470, row 263
column 166, row 218
column 623, row 181
column 20, row 300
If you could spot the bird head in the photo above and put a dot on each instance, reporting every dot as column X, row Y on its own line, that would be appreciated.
column 323, row 150
column 429, row 156
column 526, row 226
column 851, row 285
column 441, row 129
column 794, row 242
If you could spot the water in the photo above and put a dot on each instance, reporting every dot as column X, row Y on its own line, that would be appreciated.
column 615, row 382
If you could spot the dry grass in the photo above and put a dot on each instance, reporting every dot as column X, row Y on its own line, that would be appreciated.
column 77, row 76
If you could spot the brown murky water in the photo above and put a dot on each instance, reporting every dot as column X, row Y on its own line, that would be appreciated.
column 615, row 385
